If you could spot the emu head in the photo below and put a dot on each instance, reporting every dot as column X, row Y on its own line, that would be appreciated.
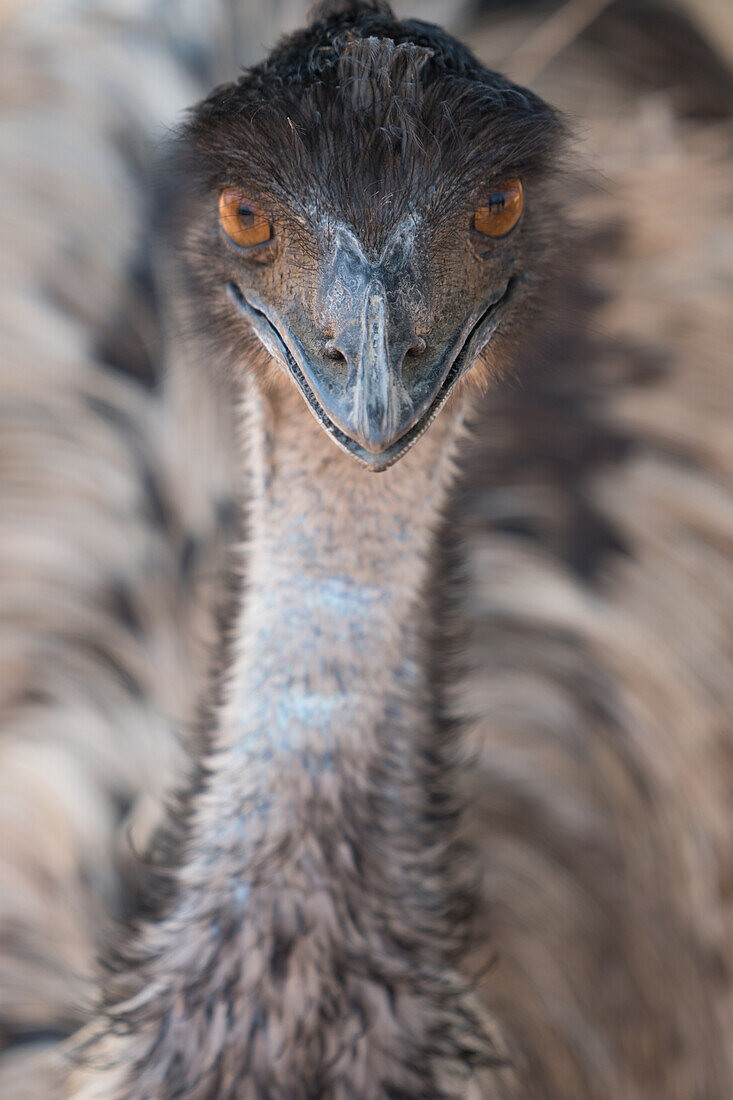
column 374, row 209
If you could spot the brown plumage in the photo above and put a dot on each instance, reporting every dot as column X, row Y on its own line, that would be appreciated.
column 593, row 591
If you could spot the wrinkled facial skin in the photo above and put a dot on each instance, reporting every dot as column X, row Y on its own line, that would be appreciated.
column 375, row 294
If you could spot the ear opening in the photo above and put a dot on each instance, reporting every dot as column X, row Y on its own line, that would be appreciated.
column 324, row 9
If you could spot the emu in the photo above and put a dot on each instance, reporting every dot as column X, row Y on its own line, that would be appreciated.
column 357, row 227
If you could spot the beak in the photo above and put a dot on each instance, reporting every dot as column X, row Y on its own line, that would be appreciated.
column 372, row 404
column 374, row 386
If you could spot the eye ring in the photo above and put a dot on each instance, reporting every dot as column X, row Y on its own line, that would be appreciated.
column 499, row 215
column 241, row 220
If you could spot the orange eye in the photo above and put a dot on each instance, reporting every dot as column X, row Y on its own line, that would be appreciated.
column 503, row 210
column 242, row 222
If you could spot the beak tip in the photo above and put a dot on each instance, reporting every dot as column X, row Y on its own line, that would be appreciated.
column 375, row 438
column 375, row 428
column 375, row 447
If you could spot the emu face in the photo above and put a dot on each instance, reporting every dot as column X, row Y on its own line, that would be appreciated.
column 374, row 206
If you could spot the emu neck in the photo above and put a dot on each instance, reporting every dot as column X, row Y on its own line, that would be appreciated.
column 338, row 561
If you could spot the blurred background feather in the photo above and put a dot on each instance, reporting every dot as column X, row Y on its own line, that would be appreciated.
column 592, row 532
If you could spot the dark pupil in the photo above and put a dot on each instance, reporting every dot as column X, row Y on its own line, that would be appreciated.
column 246, row 215
column 497, row 202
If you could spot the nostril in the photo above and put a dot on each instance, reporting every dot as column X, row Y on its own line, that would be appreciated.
column 416, row 348
column 334, row 352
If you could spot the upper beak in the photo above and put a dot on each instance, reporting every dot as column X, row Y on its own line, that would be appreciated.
column 371, row 380
column 370, row 401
